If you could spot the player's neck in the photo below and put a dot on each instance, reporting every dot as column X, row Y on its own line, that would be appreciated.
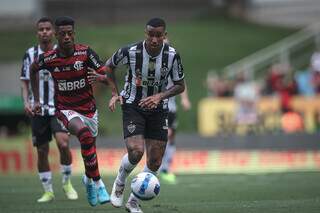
column 154, row 52
column 46, row 46
column 66, row 52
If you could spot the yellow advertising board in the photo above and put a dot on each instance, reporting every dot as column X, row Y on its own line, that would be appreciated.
column 217, row 115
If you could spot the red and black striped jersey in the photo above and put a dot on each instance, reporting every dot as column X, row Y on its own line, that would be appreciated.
column 72, row 89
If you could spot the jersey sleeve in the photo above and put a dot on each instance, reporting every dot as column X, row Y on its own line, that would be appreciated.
column 177, row 72
column 94, row 61
column 25, row 69
column 121, row 57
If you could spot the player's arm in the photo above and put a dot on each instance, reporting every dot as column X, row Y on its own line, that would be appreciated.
column 118, row 58
column 24, row 78
column 34, row 79
column 185, row 101
column 102, row 73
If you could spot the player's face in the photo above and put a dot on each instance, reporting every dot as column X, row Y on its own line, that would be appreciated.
column 45, row 31
column 65, row 36
column 155, row 37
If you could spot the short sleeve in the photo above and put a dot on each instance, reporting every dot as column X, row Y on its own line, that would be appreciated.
column 177, row 72
column 121, row 57
column 94, row 61
column 25, row 69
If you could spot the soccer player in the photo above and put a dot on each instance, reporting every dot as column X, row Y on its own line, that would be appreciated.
column 145, row 103
column 46, row 124
column 165, row 174
column 69, row 64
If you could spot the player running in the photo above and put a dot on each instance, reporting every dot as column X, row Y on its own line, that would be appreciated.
column 69, row 64
column 144, row 102
column 45, row 125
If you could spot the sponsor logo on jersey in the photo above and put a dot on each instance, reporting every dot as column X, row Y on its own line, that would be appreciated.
column 94, row 61
column 78, row 65
column 80, row 53
column 49, row 58
column 64, row 85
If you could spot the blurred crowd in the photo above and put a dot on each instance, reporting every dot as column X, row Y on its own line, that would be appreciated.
column 281, row 81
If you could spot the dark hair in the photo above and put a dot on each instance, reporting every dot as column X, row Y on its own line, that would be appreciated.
column 45, row 19
column 63, row 21
column 156, row 22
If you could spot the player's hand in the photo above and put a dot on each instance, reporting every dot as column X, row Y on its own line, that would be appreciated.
column 28, row 109
column 113, row 101
column 186, row 104
column 150, row 102
column 37, row 108
column 94, row 77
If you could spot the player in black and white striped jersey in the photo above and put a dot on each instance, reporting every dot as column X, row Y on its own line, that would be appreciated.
column 45, row 125
column 145, row 102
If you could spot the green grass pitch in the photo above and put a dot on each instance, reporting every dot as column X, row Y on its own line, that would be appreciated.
column 219, row 193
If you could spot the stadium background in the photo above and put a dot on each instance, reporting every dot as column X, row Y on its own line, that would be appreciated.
column 228, row 170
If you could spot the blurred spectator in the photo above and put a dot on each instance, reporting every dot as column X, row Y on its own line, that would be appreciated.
column 217, row 86
column 308, row 81
column 280, row 81
column 246, row 94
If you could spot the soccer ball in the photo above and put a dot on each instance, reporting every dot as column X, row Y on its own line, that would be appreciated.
column 145, row 186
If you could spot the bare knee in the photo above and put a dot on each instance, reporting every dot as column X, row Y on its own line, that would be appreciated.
column 62, row 140
column 135, row 155
column 135, row 147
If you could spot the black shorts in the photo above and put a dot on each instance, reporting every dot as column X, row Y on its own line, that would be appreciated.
column 43, row 127
column 152, row 124
column 172, row 120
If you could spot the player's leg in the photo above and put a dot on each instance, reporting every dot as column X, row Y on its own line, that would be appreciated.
column 86, row 131
column 165, row 174
column 156, row 135
column 62, row 140
column 41, row 136
column 133, row 128
column 155, row 150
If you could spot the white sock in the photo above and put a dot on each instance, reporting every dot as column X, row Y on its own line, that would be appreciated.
column 125, row 169
column 99, row 183
column 146, row 169
column 66, row 172
column 46, row 180
column 86, row 179
column 167, row 157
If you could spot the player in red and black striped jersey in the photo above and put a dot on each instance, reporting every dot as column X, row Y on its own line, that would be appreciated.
column 69, row 65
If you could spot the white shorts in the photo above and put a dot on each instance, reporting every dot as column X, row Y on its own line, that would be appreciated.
column 91, row 123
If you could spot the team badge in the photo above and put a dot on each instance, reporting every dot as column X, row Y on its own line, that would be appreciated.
column 78, row 65
column 131, row 127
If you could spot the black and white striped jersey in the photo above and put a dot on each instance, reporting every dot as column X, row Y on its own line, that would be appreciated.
column 147, row 75
column 46, row 84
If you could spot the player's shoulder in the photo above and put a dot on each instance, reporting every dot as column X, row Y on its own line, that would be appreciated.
column 172, row 49
column 30, row 51
column 133, row 46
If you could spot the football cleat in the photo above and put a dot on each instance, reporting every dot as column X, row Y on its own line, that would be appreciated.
column 133, row 206
column 69, row 191
column 117, row 194
column 91, row 192
column 168, row 178
column 46, row 197
column 103, row 195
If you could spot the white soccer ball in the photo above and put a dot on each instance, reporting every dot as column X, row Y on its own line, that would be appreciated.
column 145, row 186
